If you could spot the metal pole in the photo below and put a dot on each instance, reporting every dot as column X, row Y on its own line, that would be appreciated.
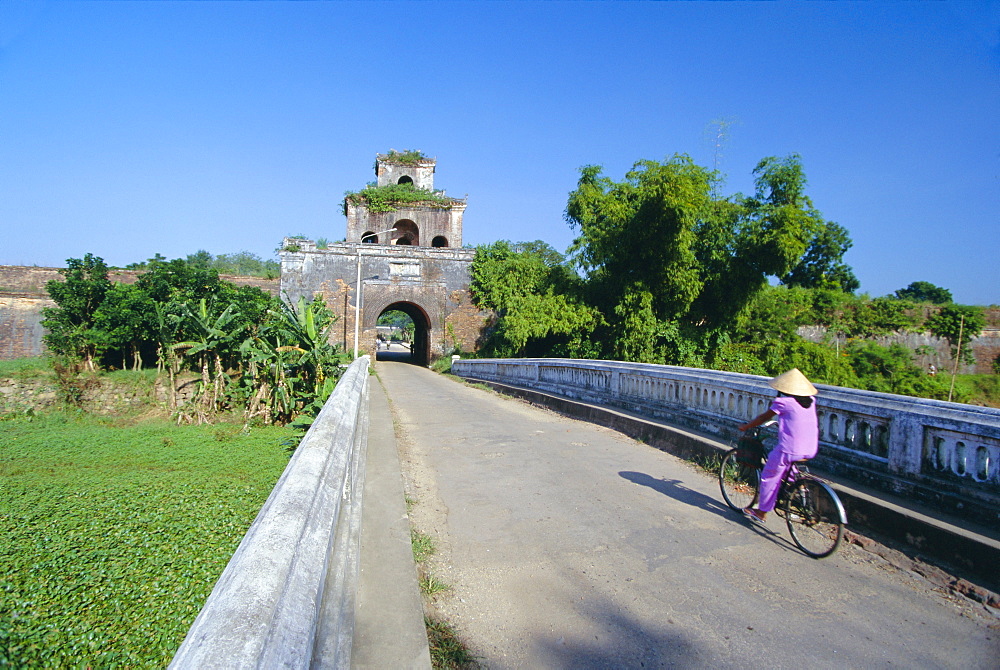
column 359, row 296
column 958, row 357
column 357, row 304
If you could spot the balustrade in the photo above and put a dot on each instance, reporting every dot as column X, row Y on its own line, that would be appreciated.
column 938, row 445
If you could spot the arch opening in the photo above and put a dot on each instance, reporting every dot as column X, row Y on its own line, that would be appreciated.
column 405, row 180
column 369, row 237
column 406, row 233
column 439, row 241
column 410, row 326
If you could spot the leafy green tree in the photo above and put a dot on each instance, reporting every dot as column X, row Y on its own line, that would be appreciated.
column 922, row 291
column 700, row 259
column 291, row 367
column 175, row 280
column 500, row 274
column 822, row 265
column 521, row 288
column 148, row 264
column 201, row 259
column 640, row 234
column 126, row 317
column 959, row 324
column 774, row 314
column 881, row 316
column 213, row 332
column 71, row 328
column 891, row 370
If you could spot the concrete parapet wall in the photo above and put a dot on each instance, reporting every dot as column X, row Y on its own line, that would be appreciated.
column 286, row 598
column 946, row 455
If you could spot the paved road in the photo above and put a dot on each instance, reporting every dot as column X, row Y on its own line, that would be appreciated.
column 568, row 545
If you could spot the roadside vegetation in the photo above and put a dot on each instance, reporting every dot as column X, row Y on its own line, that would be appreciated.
column 118, row 516
column 665, row 270
column 249, row 351
column 447, row 651
column 114, row 531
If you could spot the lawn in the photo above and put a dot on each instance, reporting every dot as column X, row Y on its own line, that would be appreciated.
column 111, row 537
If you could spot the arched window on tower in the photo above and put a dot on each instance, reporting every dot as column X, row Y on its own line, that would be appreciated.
column 439, row 241
column 370, row 237
column 405, row 180
column 406, row 233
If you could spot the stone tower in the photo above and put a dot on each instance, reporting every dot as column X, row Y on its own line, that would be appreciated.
column 405, row 246
column 434, row 221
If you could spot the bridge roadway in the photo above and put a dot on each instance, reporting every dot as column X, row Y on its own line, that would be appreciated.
column 568, row 545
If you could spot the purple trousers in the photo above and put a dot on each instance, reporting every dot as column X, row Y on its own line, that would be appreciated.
column 778, row 463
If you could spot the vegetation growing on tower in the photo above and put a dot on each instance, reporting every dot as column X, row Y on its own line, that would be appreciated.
column 389, row 198
column 406, row 157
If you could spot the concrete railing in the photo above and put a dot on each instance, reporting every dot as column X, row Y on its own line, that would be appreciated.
column 286, row 598
column 944, row 454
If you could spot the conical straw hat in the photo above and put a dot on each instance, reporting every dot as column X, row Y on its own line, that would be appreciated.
column 793, row 382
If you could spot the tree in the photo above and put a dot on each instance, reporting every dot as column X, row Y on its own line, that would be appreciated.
column 959, row 324
column 71, row 325
column 176, row 280
column 822, row 264
column 201, row 259
column 532, row 293
column 212, row 332
column 923, row 291
column 701, row 259
column 126, row 317
column 290, row 365
column 642, row 231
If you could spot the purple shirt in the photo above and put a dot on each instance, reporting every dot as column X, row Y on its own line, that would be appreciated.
column 798, row 428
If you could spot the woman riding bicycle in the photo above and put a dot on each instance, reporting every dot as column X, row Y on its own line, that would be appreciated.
column 798, row 436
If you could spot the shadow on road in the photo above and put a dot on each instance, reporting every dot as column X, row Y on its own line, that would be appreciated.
column 625, row 642
column 674, row 488
column 396, row 356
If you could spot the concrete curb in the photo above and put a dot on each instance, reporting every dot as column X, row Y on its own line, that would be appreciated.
column 929, row 538
column 389, row 619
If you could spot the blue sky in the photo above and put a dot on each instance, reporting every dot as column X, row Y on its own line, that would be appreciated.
column 129, row 129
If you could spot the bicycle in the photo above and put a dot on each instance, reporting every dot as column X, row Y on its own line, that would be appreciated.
column 812, row 511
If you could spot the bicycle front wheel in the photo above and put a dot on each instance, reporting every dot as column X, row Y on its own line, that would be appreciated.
column 815, row 517
column 738, row 481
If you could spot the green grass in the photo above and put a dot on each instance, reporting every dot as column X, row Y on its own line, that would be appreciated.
column 979, row 389
column 430, row 585
column 447, row 651
column 442, row 365
column 423, row 546
column 26, row 368
column 111, row 538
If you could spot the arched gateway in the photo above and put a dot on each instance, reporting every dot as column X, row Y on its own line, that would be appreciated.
column 406, row 251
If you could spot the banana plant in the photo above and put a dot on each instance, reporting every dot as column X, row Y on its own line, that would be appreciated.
column 290, row 363
column 213, row 336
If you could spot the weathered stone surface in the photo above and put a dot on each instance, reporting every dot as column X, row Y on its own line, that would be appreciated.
column 427, row 277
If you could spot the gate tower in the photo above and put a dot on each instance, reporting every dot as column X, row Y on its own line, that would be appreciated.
column 404, row 239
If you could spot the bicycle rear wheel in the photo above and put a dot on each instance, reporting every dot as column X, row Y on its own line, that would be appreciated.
column 815, row 517
column 738, row 481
